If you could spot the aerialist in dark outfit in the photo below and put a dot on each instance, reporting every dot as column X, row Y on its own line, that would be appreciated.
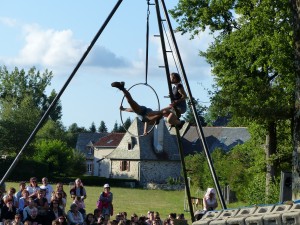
column 146, row 115
column 149, row 116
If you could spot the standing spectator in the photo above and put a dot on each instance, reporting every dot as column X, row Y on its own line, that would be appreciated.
column 48, row 189
column 105, row 202
column 33, row 187
column 74, row 216
column 22, row 186
column 11, row 196
column 78, row 190
column 209, row 200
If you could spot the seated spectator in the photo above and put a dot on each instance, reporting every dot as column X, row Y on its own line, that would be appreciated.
column 55, row 211
column 209, row 200
column 33, row 187
column 58, row 195
column 60, row 188
column 41, row 203
column 8, row 211
column 34, row 218
column 97, row 214
column 22, row 186
column 27, row 209
column 134, row 218
column 48, row 188
column 11, row 195
column 23, row 201
column 17, row 220
column 74, row 217
column 81, row 206
column 150, row 219
column 62, row 220
column 90, row 219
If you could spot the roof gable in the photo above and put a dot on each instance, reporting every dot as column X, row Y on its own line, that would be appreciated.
column 110, row 140
column 142, row 147
column 85, row 139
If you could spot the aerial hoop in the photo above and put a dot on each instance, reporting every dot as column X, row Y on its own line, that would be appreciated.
column 158, row 108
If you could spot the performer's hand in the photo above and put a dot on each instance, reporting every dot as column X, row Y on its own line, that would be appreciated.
column 122, row 108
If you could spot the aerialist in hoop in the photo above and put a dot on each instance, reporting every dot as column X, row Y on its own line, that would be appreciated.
column 147, row 115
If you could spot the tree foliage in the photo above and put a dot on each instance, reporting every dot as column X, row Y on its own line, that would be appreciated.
column 252, row 61
column 102, row 128
column 61, row 159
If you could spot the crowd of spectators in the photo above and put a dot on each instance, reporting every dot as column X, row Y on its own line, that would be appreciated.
column 43, row 205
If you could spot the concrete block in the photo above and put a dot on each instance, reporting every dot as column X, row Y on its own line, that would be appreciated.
column 223, row 217
column 257, row 217
column 292, row 216
column 240, row 217
column 275, row 216
column 208, row 217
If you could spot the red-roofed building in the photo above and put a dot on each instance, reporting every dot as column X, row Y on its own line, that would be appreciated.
column 103, row 147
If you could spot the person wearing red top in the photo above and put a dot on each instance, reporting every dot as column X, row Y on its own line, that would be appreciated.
column 105, row 202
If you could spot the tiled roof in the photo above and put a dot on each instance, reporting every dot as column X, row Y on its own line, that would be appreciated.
column 111, row 140
column 84, row 139
column 216, row 137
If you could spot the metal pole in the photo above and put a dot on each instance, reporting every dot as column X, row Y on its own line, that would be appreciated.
column 55, row 100
column 159, row 20
column 199, row 127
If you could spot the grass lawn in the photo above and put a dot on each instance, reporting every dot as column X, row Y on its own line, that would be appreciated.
column 133, row 200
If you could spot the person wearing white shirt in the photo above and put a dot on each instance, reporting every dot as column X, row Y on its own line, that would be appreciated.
column 48, row 188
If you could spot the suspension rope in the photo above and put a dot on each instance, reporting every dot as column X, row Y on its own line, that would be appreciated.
column 147, row 42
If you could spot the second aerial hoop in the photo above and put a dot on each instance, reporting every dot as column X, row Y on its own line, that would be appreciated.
column 158, row 107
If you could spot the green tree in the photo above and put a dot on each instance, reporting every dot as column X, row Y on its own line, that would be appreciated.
column 201, row 111
column 72, row 134
column 116, row 128
column 252, row 60
column 52, row 130
column 92, row 128
column 56, row 112
column 16, row 124
column 61, row 159
column 102, row 128
column 17, row 85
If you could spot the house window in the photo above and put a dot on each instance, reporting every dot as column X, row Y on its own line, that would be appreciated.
column 129, row 146
column 89, row 167
column 90, row 150
column 125, row 165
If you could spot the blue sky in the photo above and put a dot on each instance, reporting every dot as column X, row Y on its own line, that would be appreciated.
column 54, row 35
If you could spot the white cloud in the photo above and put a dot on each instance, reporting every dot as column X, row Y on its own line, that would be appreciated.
column 8, row 21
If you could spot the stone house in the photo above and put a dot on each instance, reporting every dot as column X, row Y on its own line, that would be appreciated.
column 85, row 144
column 153, row 157
column 103, row 147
